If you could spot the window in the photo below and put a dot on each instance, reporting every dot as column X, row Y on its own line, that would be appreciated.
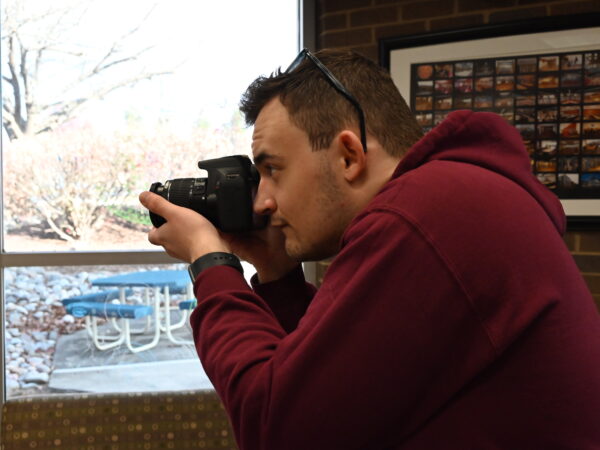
column 101, row 99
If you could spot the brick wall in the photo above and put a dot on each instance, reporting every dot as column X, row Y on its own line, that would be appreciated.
column 359, row 24
column 585, row 247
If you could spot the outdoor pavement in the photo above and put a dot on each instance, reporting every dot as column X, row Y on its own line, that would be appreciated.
column 80, row 367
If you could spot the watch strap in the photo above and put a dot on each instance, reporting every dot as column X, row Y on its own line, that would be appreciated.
column 211, row 260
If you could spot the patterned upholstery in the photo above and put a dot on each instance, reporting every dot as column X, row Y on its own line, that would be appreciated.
column 148, row 421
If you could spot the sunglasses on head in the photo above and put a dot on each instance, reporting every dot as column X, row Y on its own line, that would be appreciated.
column 304, row 54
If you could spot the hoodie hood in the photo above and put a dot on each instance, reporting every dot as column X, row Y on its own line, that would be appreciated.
column 488, row 141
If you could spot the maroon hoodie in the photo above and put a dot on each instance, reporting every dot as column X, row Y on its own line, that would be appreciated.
column 453, row 317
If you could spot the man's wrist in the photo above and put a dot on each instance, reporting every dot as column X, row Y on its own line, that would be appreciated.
column 214, row 259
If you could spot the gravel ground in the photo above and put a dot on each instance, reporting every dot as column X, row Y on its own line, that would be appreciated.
column 35, row 318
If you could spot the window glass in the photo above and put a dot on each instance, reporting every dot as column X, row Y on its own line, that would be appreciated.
column 103, row 98
column 49, row 336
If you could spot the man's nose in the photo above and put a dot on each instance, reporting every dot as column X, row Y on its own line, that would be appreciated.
column 264, row 203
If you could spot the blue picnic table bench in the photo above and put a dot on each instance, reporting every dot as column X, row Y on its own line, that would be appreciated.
column 100, row 304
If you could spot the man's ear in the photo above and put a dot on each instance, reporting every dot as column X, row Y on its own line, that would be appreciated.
column 352, row 155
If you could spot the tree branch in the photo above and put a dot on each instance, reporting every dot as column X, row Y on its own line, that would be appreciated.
column 114, row 49
column 17, row 115
column 99, row 69
column 65, row 110
column 10, row 125
column 27, row 57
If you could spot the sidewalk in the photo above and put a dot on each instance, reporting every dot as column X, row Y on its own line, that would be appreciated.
column 80, row 367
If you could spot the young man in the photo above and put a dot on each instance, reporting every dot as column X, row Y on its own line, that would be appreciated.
column 452, row 315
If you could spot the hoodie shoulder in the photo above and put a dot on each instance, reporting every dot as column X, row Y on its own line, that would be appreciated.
column 488, row 141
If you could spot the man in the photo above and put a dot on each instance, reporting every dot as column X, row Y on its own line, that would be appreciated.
column 452, row 315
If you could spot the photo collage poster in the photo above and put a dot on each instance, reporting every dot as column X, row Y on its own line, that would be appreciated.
column 552, row 99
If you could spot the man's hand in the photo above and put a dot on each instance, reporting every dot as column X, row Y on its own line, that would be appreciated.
column 186, row 235
column 265, row 250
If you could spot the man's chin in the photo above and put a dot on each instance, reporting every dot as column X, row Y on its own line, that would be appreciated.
column 299, row 254
column 296, row 251
column 293, row 250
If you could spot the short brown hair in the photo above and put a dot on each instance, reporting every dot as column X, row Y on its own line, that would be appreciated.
column 318, row 109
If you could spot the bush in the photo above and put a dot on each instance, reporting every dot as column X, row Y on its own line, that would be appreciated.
column 72, row 178
column 65, row 179
column 131, row 215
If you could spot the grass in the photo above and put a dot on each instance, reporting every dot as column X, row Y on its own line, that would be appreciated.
column 134, row 216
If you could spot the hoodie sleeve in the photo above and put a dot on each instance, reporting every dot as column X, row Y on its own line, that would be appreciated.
column 287, row 297
column 377, row 349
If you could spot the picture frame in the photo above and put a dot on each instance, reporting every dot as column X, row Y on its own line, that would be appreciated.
column 502, row 45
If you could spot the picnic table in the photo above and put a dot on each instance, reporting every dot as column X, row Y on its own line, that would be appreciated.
column 156, row 308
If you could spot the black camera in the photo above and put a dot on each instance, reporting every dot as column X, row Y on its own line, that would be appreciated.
column 225, row 198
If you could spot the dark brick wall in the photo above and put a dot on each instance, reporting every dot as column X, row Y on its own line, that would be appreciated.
column 359, row 24
column 585, row 248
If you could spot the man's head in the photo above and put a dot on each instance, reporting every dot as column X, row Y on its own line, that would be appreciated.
column 321, row 111
column 313, row 195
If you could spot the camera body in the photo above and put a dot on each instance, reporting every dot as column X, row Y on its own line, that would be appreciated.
column 225, row 198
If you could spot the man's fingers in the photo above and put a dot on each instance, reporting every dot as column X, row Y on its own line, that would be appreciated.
column 155, row 203
column 153, row 237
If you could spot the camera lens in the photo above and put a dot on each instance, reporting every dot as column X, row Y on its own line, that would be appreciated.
column 187, row 192
column 179, row 191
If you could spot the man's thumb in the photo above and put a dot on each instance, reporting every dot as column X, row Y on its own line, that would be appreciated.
column 154, row 202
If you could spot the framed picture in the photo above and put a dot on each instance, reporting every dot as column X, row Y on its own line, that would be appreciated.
column 542, row 76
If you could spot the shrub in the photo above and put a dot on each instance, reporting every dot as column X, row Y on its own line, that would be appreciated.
column 70, row 178
column 66, row 178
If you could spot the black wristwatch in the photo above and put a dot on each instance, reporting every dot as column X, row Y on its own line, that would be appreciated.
column 214, row 259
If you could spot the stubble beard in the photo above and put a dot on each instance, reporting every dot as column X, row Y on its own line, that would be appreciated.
column 330, row 224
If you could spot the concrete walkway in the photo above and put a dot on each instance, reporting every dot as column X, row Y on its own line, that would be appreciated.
column 80, row 367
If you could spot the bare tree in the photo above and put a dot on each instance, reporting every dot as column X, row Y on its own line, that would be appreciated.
column 38, row 92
